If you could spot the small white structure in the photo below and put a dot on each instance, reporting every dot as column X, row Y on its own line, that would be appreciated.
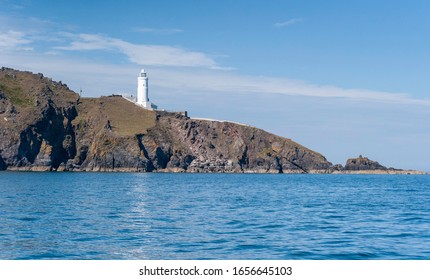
column 142, row 91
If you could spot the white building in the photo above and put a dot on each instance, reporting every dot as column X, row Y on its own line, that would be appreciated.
column 142, row 91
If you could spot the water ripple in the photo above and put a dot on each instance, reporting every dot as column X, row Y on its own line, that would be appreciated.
column 213, row 216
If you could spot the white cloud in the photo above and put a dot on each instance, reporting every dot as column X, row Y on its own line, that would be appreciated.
column 234, row 83
column 13, row 39
column 142, row 54
column 188, row 79
column 288, row 22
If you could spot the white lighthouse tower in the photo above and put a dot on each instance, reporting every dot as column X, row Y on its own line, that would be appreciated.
column 142, row 91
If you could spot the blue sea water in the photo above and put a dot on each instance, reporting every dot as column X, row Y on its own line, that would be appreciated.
column 213, row 216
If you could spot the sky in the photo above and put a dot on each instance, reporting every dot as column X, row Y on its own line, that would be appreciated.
column 344, row 78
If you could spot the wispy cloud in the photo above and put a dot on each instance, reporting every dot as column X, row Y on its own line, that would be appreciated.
column 161, row 31
column 288, row 22
column 14, row 39
column 141, row 53
column 234, row 83
column 193, row 80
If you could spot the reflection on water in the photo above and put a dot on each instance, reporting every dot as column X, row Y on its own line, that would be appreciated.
column 213, row 216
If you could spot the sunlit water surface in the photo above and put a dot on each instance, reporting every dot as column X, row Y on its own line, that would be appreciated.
column 213, row 216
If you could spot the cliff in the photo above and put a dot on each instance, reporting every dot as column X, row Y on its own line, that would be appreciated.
column 46, row 126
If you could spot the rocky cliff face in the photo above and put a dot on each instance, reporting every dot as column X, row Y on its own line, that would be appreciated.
column 46, row 126
column 211, row 146
column 35, row 121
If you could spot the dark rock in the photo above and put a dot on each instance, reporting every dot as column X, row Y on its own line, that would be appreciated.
column 363, row 163
column 108, row 125
column 337, row 167
column 3, row 165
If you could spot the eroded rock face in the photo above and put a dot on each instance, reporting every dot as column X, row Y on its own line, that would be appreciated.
column 45, row 126
column 212, row 146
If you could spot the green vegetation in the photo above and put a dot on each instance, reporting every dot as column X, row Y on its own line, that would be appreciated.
column 81, row 125
column 125, row 118
column 14, row 93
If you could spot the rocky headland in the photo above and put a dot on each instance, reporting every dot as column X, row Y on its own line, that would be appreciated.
column 44, row 126
column 363, row 165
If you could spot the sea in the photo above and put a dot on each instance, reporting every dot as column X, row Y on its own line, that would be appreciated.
column 130, row 216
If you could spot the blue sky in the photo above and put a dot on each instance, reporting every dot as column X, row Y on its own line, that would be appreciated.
column 341, row 77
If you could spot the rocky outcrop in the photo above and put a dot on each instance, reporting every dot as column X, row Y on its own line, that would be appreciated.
column 363, row 163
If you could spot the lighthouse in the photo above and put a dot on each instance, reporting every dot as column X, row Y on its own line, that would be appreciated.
column 142, row 91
